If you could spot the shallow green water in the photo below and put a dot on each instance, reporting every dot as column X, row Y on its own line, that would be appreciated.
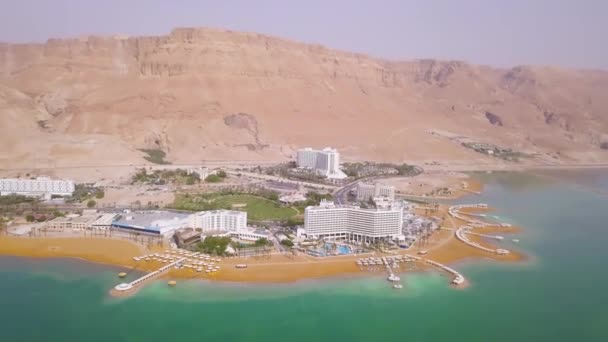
column 559, row 295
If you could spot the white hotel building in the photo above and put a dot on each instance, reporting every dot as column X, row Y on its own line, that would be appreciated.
column 353, row 223
column 325, row 162
column 366, row 191
column 39, row 187
column 219, row 220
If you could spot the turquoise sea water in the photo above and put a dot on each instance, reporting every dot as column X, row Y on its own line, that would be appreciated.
column 558, row 295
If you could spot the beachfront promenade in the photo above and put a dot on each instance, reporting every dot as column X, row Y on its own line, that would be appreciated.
column 454, row 211
column 462, row 231
column 458, row 279
column 393, row 261
column 127, row 287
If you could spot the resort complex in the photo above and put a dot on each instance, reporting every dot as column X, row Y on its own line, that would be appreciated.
column 331, row 221
column 43, row 187
column 366, row 191
column 276, row 218
column 325, row 162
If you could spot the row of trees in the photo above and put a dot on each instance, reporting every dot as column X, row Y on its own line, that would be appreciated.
column 217, row 245
column 162, row 177
column 217, row 177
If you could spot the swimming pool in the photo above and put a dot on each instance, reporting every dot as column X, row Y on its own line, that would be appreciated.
column 343, row 250
column 331, row 249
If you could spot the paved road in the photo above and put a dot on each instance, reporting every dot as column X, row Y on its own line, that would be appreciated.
column 210, row 163
column 280, row 179
column 341, row 195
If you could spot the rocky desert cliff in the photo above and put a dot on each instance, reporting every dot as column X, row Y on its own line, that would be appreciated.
column 202, row 94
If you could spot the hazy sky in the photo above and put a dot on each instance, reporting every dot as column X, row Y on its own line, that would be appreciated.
column 496, row 32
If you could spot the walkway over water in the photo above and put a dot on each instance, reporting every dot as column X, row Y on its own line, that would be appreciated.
column 497, row 237
column 454, row 211
column 139, row 281
column 458, row 278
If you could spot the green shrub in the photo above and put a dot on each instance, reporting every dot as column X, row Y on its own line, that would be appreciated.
column 100, row 194
column 155, row 156
column 287, row 243
column 213, row 245
column 213, row 179
column 262, row 242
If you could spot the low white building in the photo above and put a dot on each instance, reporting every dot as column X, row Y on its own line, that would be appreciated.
column 72, row 222
column 202, row 172
column 353, row 223
column 219, row 220
column 365, row 191
column 325, row 162
column 104, row 221
column 250, row 234
column 39, row 187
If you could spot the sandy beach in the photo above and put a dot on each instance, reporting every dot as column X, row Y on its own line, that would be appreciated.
column 428, row 184
column 442, row 247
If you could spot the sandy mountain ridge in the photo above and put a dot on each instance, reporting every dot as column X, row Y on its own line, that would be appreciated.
column 206, row 94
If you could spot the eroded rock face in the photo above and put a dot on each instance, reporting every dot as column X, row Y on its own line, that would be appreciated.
column 242, row 121
column 493, row 119
column 552, row 118
column 196, row 92
column 248, row 123
column 517, row 78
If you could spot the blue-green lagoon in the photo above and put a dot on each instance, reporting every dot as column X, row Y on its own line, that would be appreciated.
column 559, row 294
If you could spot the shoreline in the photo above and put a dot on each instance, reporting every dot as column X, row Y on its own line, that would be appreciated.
column 277, row 269
column 442, row 247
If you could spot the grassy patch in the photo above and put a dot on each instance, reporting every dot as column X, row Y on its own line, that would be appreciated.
column 213, row 179
column 155, row 156
column 257, row 208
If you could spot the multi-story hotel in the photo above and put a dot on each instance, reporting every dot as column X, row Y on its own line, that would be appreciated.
column 366, row 191
column 325, row 162
column 41, row 186
column 353, row 223
column 219, row 220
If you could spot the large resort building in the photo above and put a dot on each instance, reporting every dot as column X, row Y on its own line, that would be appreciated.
column 219, row 220
column 227, row 223
column 366, row 191
column 325, row 162
column 155, row 222
column 332, row 221
column 39, row 187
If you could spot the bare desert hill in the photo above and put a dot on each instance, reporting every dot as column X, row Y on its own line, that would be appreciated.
column 204, row 94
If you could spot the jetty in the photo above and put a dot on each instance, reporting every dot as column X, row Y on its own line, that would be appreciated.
column 127, row 288
column 458, row 279
column 454, row 211
column 392, row 262
column 496, row 237
column 461, row 235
